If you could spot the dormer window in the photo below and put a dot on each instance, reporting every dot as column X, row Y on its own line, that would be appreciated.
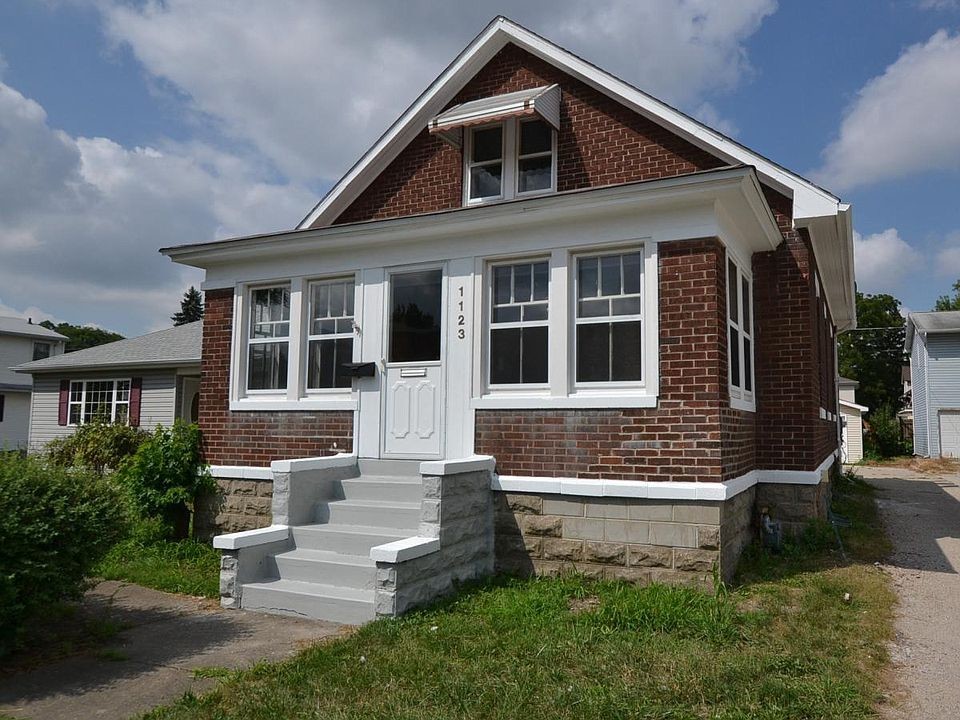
column 509, row 143
column 514, row 158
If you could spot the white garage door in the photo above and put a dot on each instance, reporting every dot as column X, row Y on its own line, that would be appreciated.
column 950, row 433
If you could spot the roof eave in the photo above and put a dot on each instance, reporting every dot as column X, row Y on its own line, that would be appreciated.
column 93, row 367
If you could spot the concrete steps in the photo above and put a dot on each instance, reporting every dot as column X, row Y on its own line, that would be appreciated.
column 328, row 573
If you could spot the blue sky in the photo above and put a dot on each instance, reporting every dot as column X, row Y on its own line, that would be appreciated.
column 127, row 126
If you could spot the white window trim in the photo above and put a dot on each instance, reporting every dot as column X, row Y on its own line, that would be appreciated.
column 295, row 396
column 249, row 341
column 510, row 159
column 741, row 399
column 113, row 398
column 562, row 392
column 308, row 336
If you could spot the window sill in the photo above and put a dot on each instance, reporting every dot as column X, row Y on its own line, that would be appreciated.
column 546, row 402
column 253, row 404
column 747, row 406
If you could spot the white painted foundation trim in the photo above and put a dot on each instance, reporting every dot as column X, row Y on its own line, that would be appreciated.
column 472, row 463
column 797, row 477
column 241, row 472
column 406, row 549
column 248, row 404
column 546, row 402
column 644, row 489
column 251, row 538
column 315, row 463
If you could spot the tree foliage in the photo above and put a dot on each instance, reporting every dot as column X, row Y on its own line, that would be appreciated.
column 191, row 308
column 945, row 302
column 875, row 357
column 81, row 337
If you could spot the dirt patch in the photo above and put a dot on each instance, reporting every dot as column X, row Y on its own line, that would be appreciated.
column 587, row 604
column 926, row 466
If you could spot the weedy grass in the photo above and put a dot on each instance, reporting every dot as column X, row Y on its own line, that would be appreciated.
column 783, row 643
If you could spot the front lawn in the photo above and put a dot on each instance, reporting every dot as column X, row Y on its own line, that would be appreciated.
column 802, row 637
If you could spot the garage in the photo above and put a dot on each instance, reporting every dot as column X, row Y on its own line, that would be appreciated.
column 950, row 433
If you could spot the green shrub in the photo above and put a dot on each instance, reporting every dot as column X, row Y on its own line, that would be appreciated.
column 55, row 524
column 883, row 439
column 97, row 446
column 166, row 474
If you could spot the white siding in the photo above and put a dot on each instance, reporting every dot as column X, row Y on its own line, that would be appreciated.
column 943, row 382
column 14, row 350
column 158, row 402
column 16, row 419
column 918, row 380
column 853, row 434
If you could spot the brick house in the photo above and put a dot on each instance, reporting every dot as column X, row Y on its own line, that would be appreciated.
column 546, row 321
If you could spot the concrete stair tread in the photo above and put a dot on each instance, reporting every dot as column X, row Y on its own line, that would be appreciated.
column 325, row 528
column 326, row 556
column 376, row 504
column 392, row 479
column 300, row 587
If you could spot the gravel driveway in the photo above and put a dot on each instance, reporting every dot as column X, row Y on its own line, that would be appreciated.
column 922, row 516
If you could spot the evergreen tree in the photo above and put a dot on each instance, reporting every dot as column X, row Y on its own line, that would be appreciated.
column 191, row 308
column 945, row 302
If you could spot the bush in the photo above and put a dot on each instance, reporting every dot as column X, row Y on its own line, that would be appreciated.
column 55, row 524
column 97, row 446
column 166, row 474
column 883, row 438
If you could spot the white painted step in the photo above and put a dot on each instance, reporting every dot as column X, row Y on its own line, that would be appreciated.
column 370, row 513
column 324, row 567
column 381, row 487
column 396, row 468
column 311, row 600
column 346, row 539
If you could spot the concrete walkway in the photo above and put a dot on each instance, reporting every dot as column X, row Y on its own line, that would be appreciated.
column 922, row 516
column 168, row 636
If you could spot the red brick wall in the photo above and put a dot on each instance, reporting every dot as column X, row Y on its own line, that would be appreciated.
column 255, row 438
column 680, row 439
column 600, row 143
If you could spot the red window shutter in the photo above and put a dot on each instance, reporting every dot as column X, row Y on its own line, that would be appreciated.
column 136, row 386
column 64, row 409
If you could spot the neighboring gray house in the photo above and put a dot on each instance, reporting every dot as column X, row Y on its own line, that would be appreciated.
column 20, row 341
column 144, row 381
column 933, row 342
column 851, row 415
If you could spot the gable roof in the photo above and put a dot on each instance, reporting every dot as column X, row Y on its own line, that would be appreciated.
column 25, row 328
column 931, row 323
column 172, row 347
column 809, row 199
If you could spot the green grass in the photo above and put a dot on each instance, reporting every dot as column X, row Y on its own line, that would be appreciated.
column 783, row 644
column 188, row 566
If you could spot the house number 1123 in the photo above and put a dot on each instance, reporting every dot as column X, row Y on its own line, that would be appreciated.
column 461, row 318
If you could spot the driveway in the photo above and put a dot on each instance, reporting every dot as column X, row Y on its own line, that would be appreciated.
column 922, row 516
column 152, row 661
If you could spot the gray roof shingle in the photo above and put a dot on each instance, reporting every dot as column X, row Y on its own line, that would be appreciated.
column 19, row 326
column 944, row 321
column 173, row 346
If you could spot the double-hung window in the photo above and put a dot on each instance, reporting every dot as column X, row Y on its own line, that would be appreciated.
column 518, row 323
column 41, row 350
column 269, row 341
column 740, row 335
column 330, row 334
column 99, row 401
column 511, row 159
column 609, row 311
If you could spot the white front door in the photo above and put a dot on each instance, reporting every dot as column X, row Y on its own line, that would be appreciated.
column 412, row 388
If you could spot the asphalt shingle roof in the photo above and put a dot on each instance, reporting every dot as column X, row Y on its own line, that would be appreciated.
column 19, row 326
column 176, row 345
column 944, row 321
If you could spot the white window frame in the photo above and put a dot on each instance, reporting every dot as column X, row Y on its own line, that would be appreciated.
column 740, row 397
column 577, row 321
column 489, row 325
column 562, row 391
column 250, row 341
column 510, row 159
column 81, row 403
column 309, row 337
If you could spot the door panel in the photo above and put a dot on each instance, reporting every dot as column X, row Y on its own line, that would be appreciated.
column 950, row 433
column 413, row 372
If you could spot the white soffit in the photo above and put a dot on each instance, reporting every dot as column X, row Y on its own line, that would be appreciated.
column 809, row 200
column 542, row 101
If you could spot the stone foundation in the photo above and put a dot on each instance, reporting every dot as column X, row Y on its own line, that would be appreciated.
column 678, row 542
column 237, row 505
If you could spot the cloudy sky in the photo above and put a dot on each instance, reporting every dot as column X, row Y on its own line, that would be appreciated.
column 128, row 126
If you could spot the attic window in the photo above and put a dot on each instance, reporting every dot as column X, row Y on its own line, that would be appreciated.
column 510, row 159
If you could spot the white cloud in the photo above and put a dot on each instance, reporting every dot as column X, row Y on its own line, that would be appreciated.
column 903, row 121
column 948, row 257
column 81, row 219
column 311, row 85
column 883, row 261
column 38, row 315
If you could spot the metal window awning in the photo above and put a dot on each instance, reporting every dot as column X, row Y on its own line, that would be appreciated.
column 542, row 101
